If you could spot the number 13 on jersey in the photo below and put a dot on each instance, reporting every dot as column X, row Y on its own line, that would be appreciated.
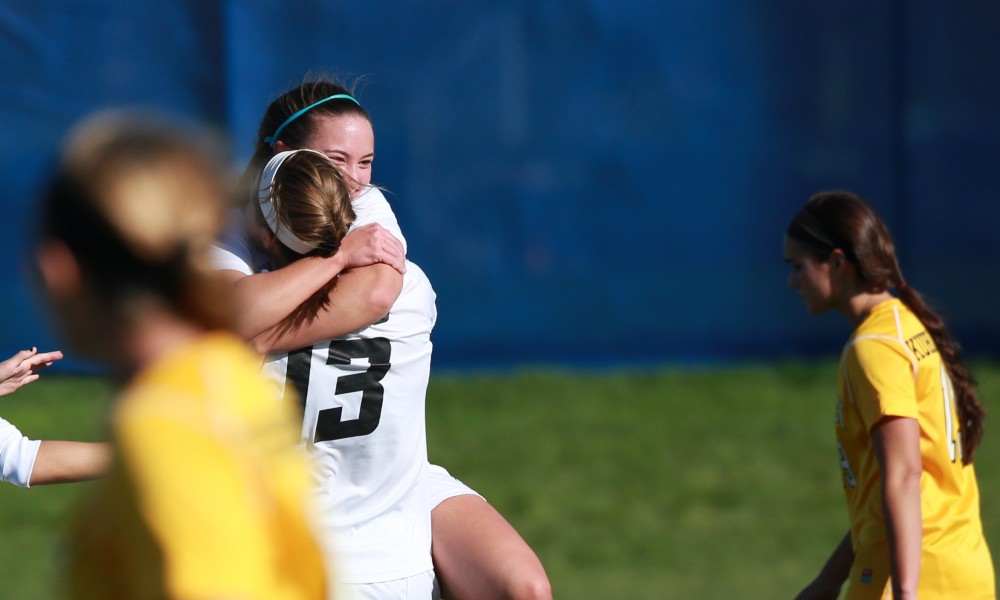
column 329, row 422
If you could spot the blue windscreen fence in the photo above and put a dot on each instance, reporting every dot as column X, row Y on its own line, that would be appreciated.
column 587, row 183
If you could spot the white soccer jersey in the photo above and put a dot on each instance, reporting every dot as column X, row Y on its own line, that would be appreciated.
column 17, row 454
column 381, row 559
column 234, row 251
column 364, row 398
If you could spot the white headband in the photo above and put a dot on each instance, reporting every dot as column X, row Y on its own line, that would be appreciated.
column 266, row 200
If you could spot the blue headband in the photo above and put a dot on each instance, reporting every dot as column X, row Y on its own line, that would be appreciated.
column 271, row 141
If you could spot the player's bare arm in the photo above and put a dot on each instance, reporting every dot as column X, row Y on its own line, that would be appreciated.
column 264, row 300
column 68, row 462
column 897, row 447
column 361, row 297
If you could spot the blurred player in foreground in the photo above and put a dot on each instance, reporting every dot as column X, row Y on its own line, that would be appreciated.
column 25, row 462
column 207, row 496
column 907, row 418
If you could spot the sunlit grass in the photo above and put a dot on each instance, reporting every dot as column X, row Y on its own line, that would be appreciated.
column 712, row 483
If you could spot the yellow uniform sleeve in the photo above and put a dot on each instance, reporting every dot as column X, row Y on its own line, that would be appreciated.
column 881, row 380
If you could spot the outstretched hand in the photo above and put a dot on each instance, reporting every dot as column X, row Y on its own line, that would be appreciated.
column 22, row 368
column 372, row 244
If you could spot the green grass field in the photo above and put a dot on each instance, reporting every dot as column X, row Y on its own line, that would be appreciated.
column 712, row 483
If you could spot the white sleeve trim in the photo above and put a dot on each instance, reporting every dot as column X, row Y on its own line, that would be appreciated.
column 17, row 454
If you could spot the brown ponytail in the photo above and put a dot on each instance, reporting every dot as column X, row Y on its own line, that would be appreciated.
column 970, row 411
column 841, row 220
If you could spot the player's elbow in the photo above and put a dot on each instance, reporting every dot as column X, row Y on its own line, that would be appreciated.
column 380, row 300
column 246, row 330
column 262, row 344
column 383, row 293
column 259, row 347
column 902, row 481
column 529, row 587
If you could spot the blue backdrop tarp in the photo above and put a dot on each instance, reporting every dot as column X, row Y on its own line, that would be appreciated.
column 586, row 183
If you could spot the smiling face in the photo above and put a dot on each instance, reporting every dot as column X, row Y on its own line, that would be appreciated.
column 349, row 141
column 812, row 277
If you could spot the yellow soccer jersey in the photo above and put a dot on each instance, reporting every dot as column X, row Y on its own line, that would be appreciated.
column 209, row 494
column 891, row 367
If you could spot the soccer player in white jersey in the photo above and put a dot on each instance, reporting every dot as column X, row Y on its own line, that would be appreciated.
column 362, row 394
column 477, row 554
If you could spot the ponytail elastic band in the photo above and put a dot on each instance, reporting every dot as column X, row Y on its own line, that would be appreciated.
column 265, row 198
column 272, row 140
